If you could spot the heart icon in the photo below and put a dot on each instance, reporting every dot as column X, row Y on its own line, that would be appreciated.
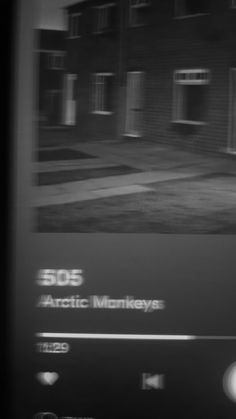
column 47, row 378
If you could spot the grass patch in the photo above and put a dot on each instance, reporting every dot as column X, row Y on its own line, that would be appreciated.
column 59, row 137
column 192, row 206
column 53, row 178
column 61, row 154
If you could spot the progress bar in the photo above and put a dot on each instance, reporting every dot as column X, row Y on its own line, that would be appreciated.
column 131, row 336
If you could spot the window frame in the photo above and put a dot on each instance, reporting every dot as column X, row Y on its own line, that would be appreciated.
column 95, row 99
column 176, row 111
column 52, row 55
column 137, row 6
column 186, row 16
column 98, row 8
column 71, row 34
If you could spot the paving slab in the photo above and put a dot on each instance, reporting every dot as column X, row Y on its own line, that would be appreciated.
column 156, row 163
column 88, row 189
column 149, row 156
column 62, row 165
column 91, row 195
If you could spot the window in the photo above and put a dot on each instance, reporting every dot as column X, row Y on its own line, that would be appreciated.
column 191, row 7
column 233, row 4
column 102, row 92
column 190, row 93
column 56, row 60
column 138, row 12
column 74, row 25
column 105, row 16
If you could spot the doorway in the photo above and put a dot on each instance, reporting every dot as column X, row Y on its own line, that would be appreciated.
column 53, row 102
column 134, row 104
column 70, row 99
column 232, row 131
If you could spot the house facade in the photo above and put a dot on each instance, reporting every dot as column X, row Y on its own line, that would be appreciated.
column 162, row 70
column 51, row 61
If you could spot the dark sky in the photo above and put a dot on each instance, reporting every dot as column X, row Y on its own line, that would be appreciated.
column 50, row 15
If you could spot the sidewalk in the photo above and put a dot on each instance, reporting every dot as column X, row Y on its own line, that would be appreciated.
column 156, row 164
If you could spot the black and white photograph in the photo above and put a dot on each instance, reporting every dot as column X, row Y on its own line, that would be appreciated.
column 122, row 270
column 135, row 104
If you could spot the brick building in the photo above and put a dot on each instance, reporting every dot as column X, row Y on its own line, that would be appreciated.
column 161, row 70
column 51, row 60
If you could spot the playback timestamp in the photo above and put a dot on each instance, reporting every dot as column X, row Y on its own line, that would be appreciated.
column 52, row 347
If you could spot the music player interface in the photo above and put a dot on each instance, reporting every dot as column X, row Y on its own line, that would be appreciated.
column 123, row 246
column 125, row 344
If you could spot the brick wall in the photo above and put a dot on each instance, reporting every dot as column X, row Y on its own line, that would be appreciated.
column 89, row 54
column 165, row 44
column 168, row 44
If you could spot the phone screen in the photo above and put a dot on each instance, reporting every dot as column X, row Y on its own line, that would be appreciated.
column 123, row 246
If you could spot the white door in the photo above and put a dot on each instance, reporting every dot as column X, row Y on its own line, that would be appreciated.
column 134, row 104
column 232, row 142
column 70, row 99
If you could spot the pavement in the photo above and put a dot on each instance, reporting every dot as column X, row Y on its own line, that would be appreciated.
column 155, row 164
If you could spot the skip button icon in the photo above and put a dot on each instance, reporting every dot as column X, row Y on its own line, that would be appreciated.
column 152, row 381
